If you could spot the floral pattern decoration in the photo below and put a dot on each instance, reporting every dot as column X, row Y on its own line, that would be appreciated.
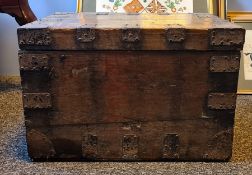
column 145, row 6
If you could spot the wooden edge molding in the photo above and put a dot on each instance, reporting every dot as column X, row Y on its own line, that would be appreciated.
column 218, row 8
column 79, row 7
column 244, row 92
column 239, row 16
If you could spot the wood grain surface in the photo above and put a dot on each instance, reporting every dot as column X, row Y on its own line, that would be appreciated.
column 90, row 31
column 130, row 87
column 105, row 96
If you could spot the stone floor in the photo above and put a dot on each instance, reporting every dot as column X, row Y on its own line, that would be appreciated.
column 14, row 158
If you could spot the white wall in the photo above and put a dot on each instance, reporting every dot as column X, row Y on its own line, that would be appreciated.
column 8, row 45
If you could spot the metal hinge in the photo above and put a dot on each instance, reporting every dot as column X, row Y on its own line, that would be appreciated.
column 171, row 146
column 34, row 37
column 225, row 63
column 37, row 100
column 227, row 37
column 33, row 62
column 220, row 146
column 89, row 146
column 86, row 34
column 130, row 147
column 131, row 35
column 175, row 33
column 222, row 101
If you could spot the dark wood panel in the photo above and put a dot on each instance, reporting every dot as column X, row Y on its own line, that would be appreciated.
column 112, row 89
column 130, row 87
column 103, row 87
column 195, row 140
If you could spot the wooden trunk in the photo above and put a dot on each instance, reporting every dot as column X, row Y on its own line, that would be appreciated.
column 108, row 87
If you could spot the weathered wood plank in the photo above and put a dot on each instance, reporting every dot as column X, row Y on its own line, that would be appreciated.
column 195, row 140
column 102, row 87
column 111, row 32
column 130, row 87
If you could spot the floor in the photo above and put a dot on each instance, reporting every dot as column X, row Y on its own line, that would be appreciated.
column 14, row 158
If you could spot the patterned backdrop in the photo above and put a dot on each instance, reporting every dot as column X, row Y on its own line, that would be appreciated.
column 145, row 6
